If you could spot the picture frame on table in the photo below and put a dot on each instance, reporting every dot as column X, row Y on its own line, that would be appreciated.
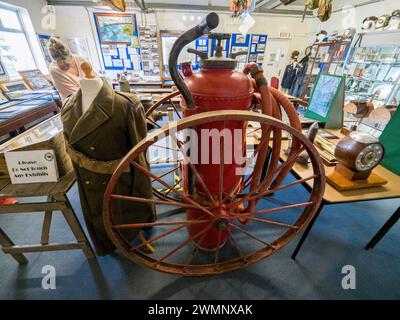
column 35, row 79
column 3, row 98
column 3, row 72
column 12, row 89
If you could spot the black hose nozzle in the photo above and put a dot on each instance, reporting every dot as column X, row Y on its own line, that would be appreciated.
column 208, row 24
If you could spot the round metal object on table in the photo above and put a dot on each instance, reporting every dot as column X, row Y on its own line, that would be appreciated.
column 359, row 151
column 246, row 233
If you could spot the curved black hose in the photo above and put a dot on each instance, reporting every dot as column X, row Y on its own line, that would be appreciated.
column 208, row 24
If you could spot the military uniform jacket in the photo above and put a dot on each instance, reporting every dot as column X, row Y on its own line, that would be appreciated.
column 110, row 128
column 289, row 76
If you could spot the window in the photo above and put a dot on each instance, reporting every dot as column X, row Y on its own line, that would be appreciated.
column 15, row 50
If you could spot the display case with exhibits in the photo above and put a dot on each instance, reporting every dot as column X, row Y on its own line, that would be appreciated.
column 373, row 74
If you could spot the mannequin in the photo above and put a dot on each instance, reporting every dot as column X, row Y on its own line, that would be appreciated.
column 301, row 70
column 290, row 72
column 100, row 127
column 90, row 85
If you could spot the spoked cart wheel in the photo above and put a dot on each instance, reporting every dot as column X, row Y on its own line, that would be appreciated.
column 224, row 222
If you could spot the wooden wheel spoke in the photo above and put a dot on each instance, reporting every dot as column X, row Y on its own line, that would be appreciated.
column 192, row 255
column 289, row 162
column 157, row 224
column 154, row 201
column 254, row 196
column 184, row 196
column 160, row 236
column 263, row 144
column 253, row 131
column 178, row 183
column 184, row 244
column 251, row 235
column 219, row 247
column 154, row 123
column 196, row 173
column 164, row 147
column 194, row 251
column 175, row 108
column 221, row 172
column 275, row 223
column 237, row 247
column 166, row 173
column 292, row 206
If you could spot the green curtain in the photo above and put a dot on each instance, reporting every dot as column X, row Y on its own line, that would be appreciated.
column 390, row 138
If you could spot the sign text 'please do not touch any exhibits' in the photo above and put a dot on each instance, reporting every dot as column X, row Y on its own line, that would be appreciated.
column 32, row 166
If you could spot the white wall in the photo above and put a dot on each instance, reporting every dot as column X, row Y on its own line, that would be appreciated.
column 265, row 24
column 79, row 22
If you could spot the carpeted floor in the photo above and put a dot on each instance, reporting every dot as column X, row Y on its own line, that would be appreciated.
column 337, row 239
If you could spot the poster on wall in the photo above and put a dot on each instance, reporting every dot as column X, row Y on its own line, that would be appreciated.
column 78, row 46
column 44, row 42
column 116, row 28
column 119, row 41
column 240, row 43
column 258, row 43
column 150, row 53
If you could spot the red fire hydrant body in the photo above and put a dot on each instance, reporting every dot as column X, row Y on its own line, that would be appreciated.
column 217, row 86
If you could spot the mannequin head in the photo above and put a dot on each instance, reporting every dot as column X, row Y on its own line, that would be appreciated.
column 60, row 54
column 87, row 70
column 295, row 54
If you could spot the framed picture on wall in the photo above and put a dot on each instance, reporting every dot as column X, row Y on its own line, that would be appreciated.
column 116, row 28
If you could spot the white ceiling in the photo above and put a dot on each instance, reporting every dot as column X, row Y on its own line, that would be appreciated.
column 266, row 4
column 263, row 5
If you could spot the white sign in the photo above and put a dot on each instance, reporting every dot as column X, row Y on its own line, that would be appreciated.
column 32, row 166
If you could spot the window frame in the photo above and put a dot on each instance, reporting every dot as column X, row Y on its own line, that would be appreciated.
column 23, row 31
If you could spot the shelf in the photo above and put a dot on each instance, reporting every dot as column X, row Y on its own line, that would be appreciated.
column 392, row 83
column 375, row 62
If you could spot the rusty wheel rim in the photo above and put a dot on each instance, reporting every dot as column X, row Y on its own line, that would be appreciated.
column 163, row 261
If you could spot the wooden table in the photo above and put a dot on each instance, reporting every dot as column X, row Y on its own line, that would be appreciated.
column 16, row 124
column 56, row 201
column 332, row 196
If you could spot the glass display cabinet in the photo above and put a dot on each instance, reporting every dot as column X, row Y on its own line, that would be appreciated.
column 373, row 73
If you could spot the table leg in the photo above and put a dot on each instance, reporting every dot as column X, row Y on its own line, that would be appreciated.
column 5, row 241
column 46, row 227
column 266, row 164
column 77, row 230
column 307, row 231
column 385, row 229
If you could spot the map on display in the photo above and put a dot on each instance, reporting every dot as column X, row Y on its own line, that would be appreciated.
column 324, row 93
column 326, row 103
